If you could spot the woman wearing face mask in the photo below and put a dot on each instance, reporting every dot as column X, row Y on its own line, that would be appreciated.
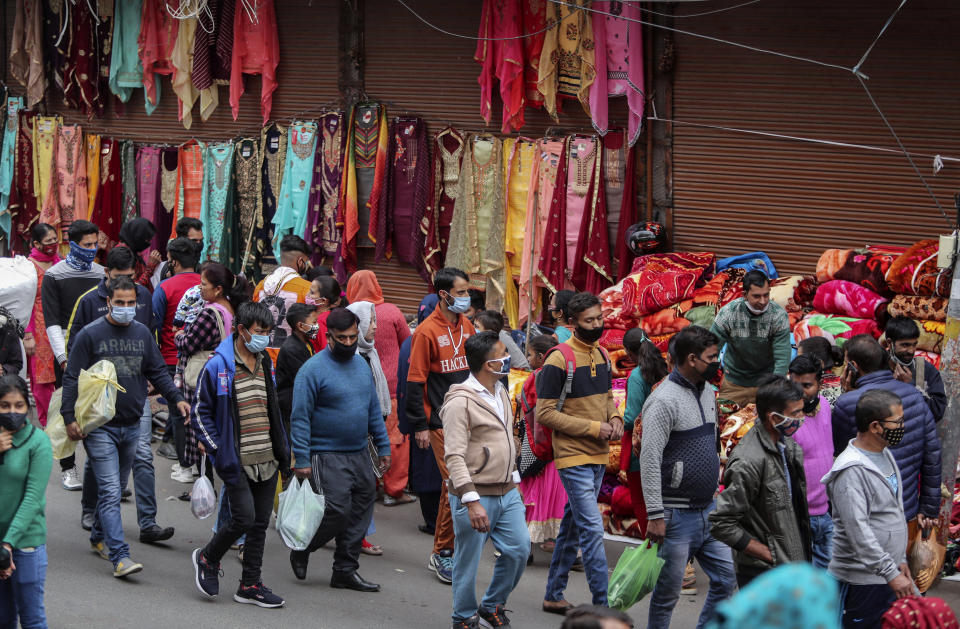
column 25, row 462
column 43, row 379
column 296, row 350
column 325, row 295
column 559, row 316
column 762, row 511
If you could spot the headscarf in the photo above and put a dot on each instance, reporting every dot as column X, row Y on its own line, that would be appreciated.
column 919, row 612
column 363, row 286
column 365, row 311
column 427, row 305
column 137, row 233
column 792, row 596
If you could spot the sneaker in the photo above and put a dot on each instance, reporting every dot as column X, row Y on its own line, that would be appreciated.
column 101, row 549
column 125, row 567
column 86, row 521
column 257, row 594
column 404, row 499
column 493, row 620
column 442, row 564
column 181, row 474
column 70, row 479
column 167, row 451
column 467, row 623
column 206, row 575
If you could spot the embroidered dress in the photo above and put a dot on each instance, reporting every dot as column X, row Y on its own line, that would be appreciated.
column 182, row 60
column 23, row 202
column 148, row 188
column 323, row 234
column 273, row 156
column 256, row 50
column 409, row 188
column 567, row 58
column 26, row 50
column 247, row 199
column 591, row 260
column 534, row 18
column 212, row 53
column 619, row 180
column 543, row 179
column 518, row 158
column 447, row 159
column 581, row 172
column 82, row 67
column 91, row 143
column 7, row 158
column 217, row 200
column 158, row 35
column 552, row 265
column 189, row 185
column 103, row 43
column 44, row 142
column 128, row 176
column 619, row 64
column 54, row 23
column 363, row 178
column 477, row 230
column 291, row 216
column 67, row 189
column 108, row 209
column 500, row 53
column 126, row 70
column 169, row 158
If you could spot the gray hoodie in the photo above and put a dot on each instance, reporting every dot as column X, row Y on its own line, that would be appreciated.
column 870, row 529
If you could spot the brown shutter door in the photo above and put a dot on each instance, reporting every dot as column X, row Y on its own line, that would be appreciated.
column 735, row 193
column 401, row 285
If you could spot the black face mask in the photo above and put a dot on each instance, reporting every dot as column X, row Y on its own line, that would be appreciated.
column 894, row 436
column 341, row 351
column 711, row 371
column 810, row 405
column 12, row 422
column 588, row 335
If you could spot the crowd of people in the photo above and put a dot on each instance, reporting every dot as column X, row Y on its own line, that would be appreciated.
column 300, row 377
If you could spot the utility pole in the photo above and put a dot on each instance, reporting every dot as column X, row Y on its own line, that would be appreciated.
column 949, row 427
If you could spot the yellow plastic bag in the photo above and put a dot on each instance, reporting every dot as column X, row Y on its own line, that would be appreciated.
column 96, row 405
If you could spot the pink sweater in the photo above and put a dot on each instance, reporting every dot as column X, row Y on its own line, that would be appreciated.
column 392, row 331
column 816, row 439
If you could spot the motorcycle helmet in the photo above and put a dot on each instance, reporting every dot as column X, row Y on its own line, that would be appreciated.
column 645, row 238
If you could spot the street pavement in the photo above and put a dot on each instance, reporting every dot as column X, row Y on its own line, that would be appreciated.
column 81, row 591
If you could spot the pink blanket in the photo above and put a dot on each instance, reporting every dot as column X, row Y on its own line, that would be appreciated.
column 848, row 299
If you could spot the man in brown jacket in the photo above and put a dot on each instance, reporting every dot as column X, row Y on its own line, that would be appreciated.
column 481, row 461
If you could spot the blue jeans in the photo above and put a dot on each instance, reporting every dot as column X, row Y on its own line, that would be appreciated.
column 582, row 525
column 821, row 533
column 508, row 531
column 111, row 450
column 688, row 535
column 144, row 477
column 22, row 594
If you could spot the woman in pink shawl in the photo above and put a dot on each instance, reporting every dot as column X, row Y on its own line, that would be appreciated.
column 35, row 343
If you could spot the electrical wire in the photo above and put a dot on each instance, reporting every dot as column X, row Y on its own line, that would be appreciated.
column 863, row 59
column 458, row 35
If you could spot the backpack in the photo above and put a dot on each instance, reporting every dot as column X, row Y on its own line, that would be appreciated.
column 541, row 437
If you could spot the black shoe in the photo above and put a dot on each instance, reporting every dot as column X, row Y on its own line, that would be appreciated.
column 426, row 529
column 496, row 618
column 153, row 534
column 86, row 521
column 530, row 559
column 298, row 561
column 352, row 581
column 473, row 622
column 206, row 575
column 125, row 495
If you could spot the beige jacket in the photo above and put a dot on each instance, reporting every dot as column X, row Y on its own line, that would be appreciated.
column 479, row 449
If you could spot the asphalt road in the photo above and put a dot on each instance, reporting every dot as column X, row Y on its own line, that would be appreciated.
column 81, row 591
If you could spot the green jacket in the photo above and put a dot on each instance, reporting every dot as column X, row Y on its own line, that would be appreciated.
column 23, row 485
column 756, row 503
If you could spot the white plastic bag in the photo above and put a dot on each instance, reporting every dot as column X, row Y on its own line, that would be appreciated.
column 18, row 287
column 299, row 514
column 203, row 500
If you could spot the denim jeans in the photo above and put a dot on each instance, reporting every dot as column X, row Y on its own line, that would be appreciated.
column 22, row 594
column 582, row 525
column 821, row 530
column 144, row 477
column 223, row 515
column 508, row 531
column 111, row 450
column 688, row 535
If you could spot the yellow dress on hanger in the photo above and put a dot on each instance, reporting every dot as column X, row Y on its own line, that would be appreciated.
column 518, row 160
column 182, row 59
column 92, row 152
column 44, row 143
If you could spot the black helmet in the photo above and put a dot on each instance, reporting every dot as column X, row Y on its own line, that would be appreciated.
column 644, row 238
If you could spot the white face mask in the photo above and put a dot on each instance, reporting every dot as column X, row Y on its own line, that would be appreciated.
column 754, row 310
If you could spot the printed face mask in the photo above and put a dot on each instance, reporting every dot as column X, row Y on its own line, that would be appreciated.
column 504, row 365
column 788, row 426
column 312, row 331
column 894, row 436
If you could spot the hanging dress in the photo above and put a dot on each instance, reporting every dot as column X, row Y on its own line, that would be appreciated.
column 409, row 188
column 189, row 185
column 543, row 179
column 273, row 158
column 26, row 50
column 54, row 23
column 619, row 64
column 581, row 171
column 591, row 270
column 315, row 203
column 103, row 42
column 567, row 59
column 108, row 209
column 552, row 263
column 169, row 158
column 182, row 60
column 619, row 181
column 500, row 53
column 518, row 159
column 126, row 69
column 148, row 189
column 82, row 68
column 248, row 202
column 217, row 203
column 445, row 177
column 23, row 201
column 128, row 177
column 44, row 143
column 66, row 198
column 291, row 215
column 362, row 185
column 534, row 16
column 158, row 36
column 91, row 142
column 212, row 53
column 8, row 153
column 256, row 50
column 323, row 234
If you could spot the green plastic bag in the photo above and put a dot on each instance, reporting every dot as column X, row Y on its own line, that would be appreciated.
column 634, row 577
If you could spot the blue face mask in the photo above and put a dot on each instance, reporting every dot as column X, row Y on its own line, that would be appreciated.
column 460, row 304
column 257, row 342
column 504, row 365
column 79, row 258
column 123, row 314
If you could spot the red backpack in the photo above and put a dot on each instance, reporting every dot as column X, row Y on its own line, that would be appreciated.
column 539, row 436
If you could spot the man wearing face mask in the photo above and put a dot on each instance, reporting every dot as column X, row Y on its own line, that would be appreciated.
column 63, row 285
column 680, row 467
column 918, row 452
column 335, row 410
column 287, row 285
column 900, row 340
column 122, row 340
column 136, row 235
column 295, row 351
column 438, row 361
column 762, row 511
column 583, row 423
column 481, row 457
column 867, row 492
column 756, row 334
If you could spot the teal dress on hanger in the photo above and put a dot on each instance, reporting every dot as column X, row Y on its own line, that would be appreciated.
column 216, row 206
column 13, row 106
column 291, row 216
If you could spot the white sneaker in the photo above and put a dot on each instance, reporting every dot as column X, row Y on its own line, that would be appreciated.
column 70, row 479
column 181, row 475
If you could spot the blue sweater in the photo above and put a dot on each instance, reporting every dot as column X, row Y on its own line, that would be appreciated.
column 335, row 407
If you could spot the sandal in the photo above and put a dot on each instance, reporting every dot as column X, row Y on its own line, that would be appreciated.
column 371, row 549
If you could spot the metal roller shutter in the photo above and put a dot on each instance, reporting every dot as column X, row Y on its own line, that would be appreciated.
column 401, row 285
column 735, row 193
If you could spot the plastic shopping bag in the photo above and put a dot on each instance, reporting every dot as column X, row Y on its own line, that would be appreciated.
column 635, row 576
column 299, row 514
column 203, row 500
column 925, row 558
column 96, row 405
column 56, row 430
